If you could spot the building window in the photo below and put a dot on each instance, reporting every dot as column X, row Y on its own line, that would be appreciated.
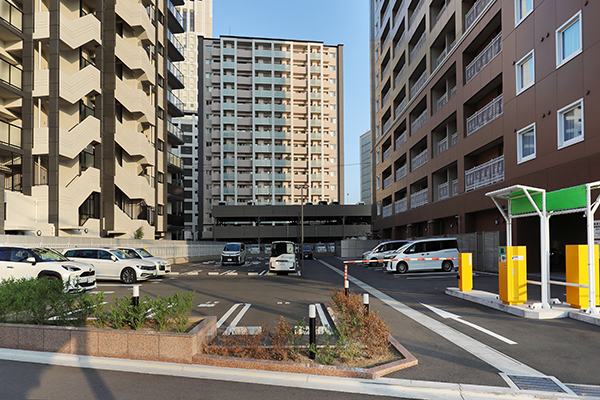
column 333, row 160
column 376, row 105
column 208, row 48
column 378, row 182
column 332, row 55
column 161, row 81
column 161, row 177
column 209, row 88
column 333, row 120
column 525, row 72
column 208, row 130
column 332, row 107
column 208, row 116
column 160, row 209
column 332, row 94
column 379, row 208
column 209, row 75
column 333, row 173
column 377, row 79
column 161, row 113
column 333, row 133
column 522, row 9
column 526, row 144
column 570, row 124
column 331, row 80
column 568, row 40
column 332, row 147
column 332, row 67
column 333, row 187
column 377, row 131
column 208, row 61
column 377, row 157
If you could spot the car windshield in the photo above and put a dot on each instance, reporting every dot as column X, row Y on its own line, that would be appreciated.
column 306, row 248
column 278, row 249
column 401, row 249
column 45, row 254
column 144, row 253
column 232, row 247
column 130, row 253
column 120, row 254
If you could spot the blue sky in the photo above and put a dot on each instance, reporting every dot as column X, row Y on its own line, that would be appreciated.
column 330, row 21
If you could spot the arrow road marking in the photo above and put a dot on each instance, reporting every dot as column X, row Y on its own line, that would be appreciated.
column 446, row 314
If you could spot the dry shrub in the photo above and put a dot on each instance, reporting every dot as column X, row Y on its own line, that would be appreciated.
column 247, row 346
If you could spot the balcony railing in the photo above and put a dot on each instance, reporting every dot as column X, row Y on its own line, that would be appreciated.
column 401, row 172
column 174, row 100
column 419, row 160
column 175, row 42
column 399, row 76
column 453, row 92
column 174, row 130
column 419, row 198
column 453, row 139
column 387, row 182
column 387, row 125
column 484, row 116
column 173, row 159
column 85, row 111
column 175, row 13
column 418, row 84
column 415, row 50
column 175, row 71
column 416, row 12
column 385, row 69
column 387, row 153
column 400, row 140
column 454, row 187
column 387, row 210
column 10, row 134
column 439, row 15
column 441, row 57
column 399, row 44
column 401, row 205
column 484, row 58
column 485, row 174
column 474, row 12
column 400, row 109
column 11, row 74
column 418, row 122
column 11, row 14
column 441, row 102
column 443, row 191
column 442, row 145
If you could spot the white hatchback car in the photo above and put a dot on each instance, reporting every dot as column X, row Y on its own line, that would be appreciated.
column 44, row 263
column 113, row 263
column 163, row 265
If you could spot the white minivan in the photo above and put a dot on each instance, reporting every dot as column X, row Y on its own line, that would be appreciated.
column 383, row 250
column 425, row 254
column 283, row 257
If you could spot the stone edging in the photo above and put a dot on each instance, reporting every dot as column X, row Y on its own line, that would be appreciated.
column 408, row 360
column 128, row 344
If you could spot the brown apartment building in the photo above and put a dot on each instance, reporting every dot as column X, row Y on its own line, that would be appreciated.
column 474, row 96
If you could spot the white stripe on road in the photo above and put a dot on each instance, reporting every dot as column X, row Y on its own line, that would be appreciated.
column 237, row 319
column 264, row 272
column 227, row 314
column 322, row 317
column 488, row 354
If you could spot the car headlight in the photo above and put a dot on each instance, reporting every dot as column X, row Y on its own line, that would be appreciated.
column 70, row 268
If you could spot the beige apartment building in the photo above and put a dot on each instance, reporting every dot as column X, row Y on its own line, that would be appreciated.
column 86, row 101
column 271, row 115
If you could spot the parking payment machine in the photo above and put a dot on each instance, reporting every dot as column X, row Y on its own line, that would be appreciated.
column 512, row 274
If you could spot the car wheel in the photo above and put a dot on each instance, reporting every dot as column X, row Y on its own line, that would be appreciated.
column 401, row 267
column 49, row 278
column 373, row 263
column 128, row 276
column 447, row 266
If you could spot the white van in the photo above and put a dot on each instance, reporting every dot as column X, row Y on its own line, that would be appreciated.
column 382, row 250
column 425, row 254
column 234, row 253
column 283, row 257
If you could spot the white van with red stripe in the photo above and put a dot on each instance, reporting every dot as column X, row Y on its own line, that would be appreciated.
column 441, row 253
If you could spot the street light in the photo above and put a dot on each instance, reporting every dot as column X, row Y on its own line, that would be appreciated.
column 302, row 224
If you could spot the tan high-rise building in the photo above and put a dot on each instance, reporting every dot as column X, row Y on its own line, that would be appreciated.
column 86, row 105
column 473, row 96
column 271, row 118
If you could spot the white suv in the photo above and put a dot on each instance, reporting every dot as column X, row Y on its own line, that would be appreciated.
column 163, row 265
column 111, row 263
column 43, row 263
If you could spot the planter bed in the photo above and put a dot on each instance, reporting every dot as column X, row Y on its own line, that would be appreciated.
column 115, row 343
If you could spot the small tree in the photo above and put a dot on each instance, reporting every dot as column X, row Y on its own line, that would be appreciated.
column 139, row 233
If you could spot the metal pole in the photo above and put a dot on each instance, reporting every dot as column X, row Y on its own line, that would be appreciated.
column 591, row 253
column 135, row 298
column 312, row 331
column 302, row 227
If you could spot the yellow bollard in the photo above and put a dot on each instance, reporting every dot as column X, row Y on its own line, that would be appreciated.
column 577, row 272
column 465, row 272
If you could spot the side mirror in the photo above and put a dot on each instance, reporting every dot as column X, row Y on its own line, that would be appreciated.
column 114, row 258
column 31, row 260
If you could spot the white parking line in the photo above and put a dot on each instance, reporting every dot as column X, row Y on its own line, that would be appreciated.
column 231, row 271
column 237, row 319
column 264, row 272
column 227, row 315
column 322, row 317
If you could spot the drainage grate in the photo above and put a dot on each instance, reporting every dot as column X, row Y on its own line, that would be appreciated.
column 585, row 390
column 536, row 383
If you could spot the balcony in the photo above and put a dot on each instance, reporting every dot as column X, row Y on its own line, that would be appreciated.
column 11, row 14
column 418, row 46
column 401, row 172
column 136, row 58
column 442, row 146
column 441, row 102
column 11, row 74
column 418, row 122
column 400, row 108
column 415, row 13
column 387, row 211
column 175, row 105
column 175, row 190
column 387, row 153
column 176, row 50
column 136, row 15
column 419, row 198
column 484, row 58
column 400, row 140
column 399, row 76
column 454, row 187
column 418, row 160
column 401, row 205
column 175, row 133
column 387, row 182
column 386, row 97
column 10, row 134
column 134, row 186
column 175, row 19
column 475, row 12
column 175, row 160
column 484, row 116
column 175, row 76
column 399, row 44
column 485, row 174
column 72, row 87
column 175, row 220
column 418, row 84
column 439, row 15
column 454, row 139
column 387, row 125
column 443, row 191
